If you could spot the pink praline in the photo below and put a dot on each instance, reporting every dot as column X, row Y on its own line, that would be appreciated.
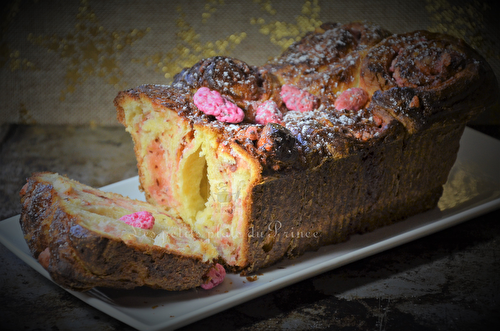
column 213, row 103
column 140, row 219
column 216, row 276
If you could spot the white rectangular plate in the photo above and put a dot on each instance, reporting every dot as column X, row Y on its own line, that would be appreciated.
column 473, row 188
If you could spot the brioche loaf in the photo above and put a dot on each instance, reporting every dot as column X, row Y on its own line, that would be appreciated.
column 350, row 129
column 76, row 233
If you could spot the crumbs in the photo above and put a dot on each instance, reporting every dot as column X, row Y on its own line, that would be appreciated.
column 252, row 278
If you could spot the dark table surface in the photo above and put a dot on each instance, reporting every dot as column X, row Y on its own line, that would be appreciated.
column 449, row 280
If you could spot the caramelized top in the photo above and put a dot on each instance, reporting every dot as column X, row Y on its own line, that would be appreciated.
column 412, row 80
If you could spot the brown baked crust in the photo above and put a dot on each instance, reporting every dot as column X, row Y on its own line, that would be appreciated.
column 303, row 210
column 81, row 259
column 327, row 60
column 451, row 93
column 421, row 78
column 335, row 172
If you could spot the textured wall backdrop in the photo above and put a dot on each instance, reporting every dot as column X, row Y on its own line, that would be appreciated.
column 63, row 62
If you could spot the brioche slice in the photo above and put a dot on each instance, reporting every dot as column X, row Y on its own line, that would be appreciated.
column 76, row 233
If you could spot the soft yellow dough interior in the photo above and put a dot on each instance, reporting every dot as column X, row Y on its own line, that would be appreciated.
column 101, row 213
column 187, row 168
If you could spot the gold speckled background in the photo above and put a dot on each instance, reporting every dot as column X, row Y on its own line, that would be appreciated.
column 63, row 62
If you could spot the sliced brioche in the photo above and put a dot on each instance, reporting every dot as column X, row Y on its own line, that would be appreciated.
column 75, row 231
